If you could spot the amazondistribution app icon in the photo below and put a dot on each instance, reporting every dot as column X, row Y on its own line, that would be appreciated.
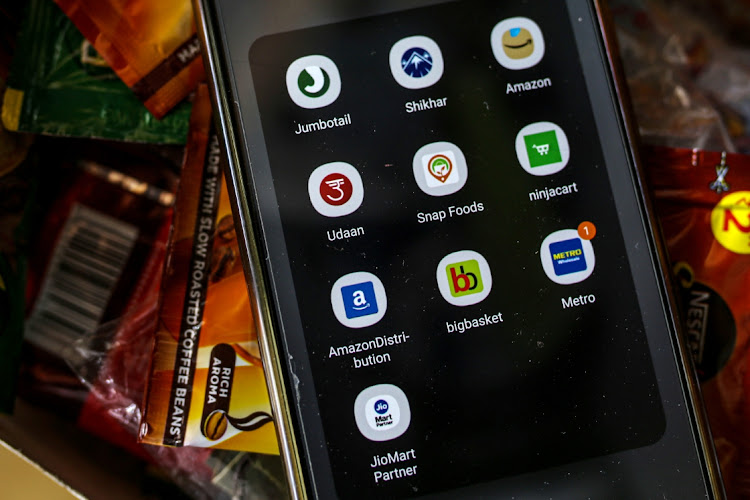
column 440, row 168
column 358, row 299
column 517, row 43
column 566, row 257
column 542, row 148
column 313, row 81
column 335, row 189
column 382, row 412
column 416, row 62
column 464, row 278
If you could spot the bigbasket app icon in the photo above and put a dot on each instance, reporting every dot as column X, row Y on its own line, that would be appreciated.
column 517, row 43
column 313, row 81
column 416, row 62
column 464, row 278
column 358, row 299
column 566, row 257
column 542, row 148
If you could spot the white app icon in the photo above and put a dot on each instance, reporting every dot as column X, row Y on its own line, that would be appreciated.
column 440, row 168
column 335, row 189
column 542, row 148
column 313, row 81
column 358, row 299
column 566, row 257
column 416, row 62
column 382, row 412
column 517, row 43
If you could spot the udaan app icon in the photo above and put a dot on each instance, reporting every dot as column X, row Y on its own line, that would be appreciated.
column 358, row 299
column 464, row 278
column 517, row 43
column 313, row 81
column 542, row 148
column 335, row 189
column 382, row 412
column 566, row 257
column 416, row 62
column 440, row 168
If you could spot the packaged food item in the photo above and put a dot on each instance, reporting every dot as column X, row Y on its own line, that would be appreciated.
column 59, row 85
column 702, row 201
column 207, row 386
column 152, row 46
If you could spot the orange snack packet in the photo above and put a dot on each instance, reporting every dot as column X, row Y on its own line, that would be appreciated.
column 151, row 45
column 207, row 387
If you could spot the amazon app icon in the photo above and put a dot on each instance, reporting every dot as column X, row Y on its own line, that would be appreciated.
column 517, row 43
column 313, row 81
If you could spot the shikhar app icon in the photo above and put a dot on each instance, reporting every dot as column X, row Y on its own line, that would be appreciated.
column 440, row 168
column 566, row 257
column 358, row 299
column 313, row 81
column 382, row 412
column 542, row 148
column 517, row 43
column 335, row 189
column 416, row 62
column 464, row 278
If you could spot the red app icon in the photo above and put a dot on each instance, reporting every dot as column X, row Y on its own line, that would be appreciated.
column 336, row 189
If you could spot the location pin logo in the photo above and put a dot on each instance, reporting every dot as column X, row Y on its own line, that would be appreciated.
column 440, row 167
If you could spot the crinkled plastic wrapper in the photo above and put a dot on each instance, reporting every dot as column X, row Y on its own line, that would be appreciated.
column 207, row 386
column 702, row 200
column 151, row 45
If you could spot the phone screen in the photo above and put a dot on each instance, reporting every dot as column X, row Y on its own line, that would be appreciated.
column 464, row 285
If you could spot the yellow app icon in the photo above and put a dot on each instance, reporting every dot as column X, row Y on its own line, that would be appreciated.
column 517, row 43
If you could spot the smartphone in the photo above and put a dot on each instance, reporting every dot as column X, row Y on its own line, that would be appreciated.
column 449, row 252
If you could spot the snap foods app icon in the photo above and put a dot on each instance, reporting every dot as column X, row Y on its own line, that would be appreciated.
column 335, row 189
column 464, row 278
column 416, row 62
column 542, row 148
column 440, row 168
column 313, row 81
column 358, row 299
column 382, row 412
column 517, row 43
column 566, row 257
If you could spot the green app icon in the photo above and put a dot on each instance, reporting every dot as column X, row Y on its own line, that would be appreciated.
column 464, row 278
column 542, row 148
column 314, row 81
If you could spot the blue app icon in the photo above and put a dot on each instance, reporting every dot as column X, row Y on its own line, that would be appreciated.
column 567, row 256
column 381, row 406
column 359, row 299
column 416, row 62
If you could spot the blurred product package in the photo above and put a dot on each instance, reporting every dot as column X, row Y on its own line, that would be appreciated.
column 59, row 85
column 207, row 386
column 151, row 45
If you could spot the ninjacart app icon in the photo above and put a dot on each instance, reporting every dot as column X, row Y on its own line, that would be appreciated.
column 464, row 278
column 440, row 168
column 517, row 43
column 567, row 258
column 416, row 62
column 382, row 412
column 313, row 81
column 358, row 299
column 542, row 148
column 335, row 189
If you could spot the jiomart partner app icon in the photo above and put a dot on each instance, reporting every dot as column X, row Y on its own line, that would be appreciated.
column 464, row 278
column 335, row 189
column 358, row 299
column 440, row 168
column 313, row 81
column 382, row 412
column 542, row 148
column 566, row 257
column 416, row 62
column 517, row 43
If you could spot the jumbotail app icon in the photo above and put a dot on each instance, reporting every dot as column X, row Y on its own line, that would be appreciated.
column 542, row 148
column 358, row 299
column 566, row 257
column 517, row 43
column 416, row 62
column 464, row 278
column 313, row 81
column 382, row 412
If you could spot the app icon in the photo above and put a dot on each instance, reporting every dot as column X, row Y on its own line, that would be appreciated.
column 313, row 81
column 416, row 62
column 440, row 168
column 382, row 412
column 517, row 43
column 358, row 299
column 464, row 278
column 566, row 257
column 542, row 148
column 335, row 189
